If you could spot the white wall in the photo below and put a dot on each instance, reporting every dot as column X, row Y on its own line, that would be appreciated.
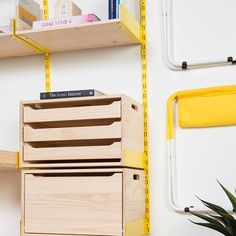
column 118, row 70
column 202, row 29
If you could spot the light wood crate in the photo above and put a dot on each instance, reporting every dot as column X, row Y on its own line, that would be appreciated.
column 82, row 132
column 83, row 202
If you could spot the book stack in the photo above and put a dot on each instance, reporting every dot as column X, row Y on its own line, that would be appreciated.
column 71, row 94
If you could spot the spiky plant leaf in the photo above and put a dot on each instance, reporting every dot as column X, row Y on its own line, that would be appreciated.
column 214, row 227
column 231, row 197
column 220, row 211
column 209, row 219
column 225, row 222
column 213, row 207
column 228, row 217
column 221, row 219
column 215, row 220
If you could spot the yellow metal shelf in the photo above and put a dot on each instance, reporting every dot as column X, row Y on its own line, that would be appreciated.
column 100, row 34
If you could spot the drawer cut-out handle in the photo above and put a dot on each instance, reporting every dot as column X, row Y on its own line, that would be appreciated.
column 135, row 107
column 92, row 174
column 136, row 177
column 79, row 103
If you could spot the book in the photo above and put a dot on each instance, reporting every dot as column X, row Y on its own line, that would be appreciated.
column 71, row 94
column 5, row 29
column 118, row 9
column 28, row 11
column 66, row 8
column 74, row 20
column 114, row 9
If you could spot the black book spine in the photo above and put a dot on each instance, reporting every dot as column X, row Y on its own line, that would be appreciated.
column 67, row 94
column 112, row 5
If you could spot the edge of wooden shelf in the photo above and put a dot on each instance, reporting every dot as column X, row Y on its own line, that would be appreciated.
column 10, row 48
column 56, row 28
column 101, row 34
column 8, row 160
column 7, row 34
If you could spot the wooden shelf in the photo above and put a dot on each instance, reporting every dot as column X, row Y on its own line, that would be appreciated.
column 12, row 48
column 8, row 160
column 100, row 34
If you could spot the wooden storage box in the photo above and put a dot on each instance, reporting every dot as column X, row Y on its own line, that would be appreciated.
column 88, row 131
column 83, row 202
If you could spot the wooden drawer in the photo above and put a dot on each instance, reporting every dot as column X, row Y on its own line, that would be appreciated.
column 110, row 111
column 91, row 131
column 112, row 131
column 103, row 152
column 82, row 202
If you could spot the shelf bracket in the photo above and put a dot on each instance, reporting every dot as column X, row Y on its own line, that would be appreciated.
column 38, row 49
column 129, row 24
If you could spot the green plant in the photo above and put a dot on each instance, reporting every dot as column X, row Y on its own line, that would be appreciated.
column 221, row 221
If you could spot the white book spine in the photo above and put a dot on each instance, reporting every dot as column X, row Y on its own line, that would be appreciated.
column 74, row 20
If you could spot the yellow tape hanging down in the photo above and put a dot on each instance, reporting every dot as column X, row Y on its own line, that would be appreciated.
column 133, row 158
column 145, row 107
column 37, row 48
column 135, row 228
column 17, row 160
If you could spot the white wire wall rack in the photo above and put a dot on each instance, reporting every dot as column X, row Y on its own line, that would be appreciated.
column 223, row 97
column 185, row 64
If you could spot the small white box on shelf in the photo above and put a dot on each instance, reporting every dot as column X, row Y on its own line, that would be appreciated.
column 66, row 8
column 27, row 11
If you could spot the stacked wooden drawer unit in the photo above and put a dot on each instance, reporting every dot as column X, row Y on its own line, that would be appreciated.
column 82, row 162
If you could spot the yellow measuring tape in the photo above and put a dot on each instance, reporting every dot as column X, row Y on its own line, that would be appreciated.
column 37, row 48
column 47, row 61
column 45, row 9
column 145, row 107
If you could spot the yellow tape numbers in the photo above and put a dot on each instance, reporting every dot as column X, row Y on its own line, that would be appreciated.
column 145, row 106
column 45, row 9
column 47, row 61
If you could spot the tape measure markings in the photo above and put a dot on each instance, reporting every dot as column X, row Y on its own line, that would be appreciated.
column 145, row 107
column 45, row 9
column 47, row 61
